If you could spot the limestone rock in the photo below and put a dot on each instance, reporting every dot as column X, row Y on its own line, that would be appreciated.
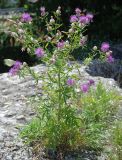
column 15, row 111
column 117, row 51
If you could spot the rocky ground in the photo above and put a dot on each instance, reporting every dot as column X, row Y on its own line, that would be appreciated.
column 16, row 112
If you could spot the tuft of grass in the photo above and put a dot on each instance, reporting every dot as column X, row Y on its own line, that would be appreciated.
column 87, row 124
column 115, row 151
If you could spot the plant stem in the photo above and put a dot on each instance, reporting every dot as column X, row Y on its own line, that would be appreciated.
column 59, row 94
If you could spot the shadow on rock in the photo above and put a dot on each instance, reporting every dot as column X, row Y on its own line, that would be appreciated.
column 106, row 70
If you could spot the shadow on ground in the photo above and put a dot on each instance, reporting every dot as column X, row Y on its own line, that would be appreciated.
column 106, row 70
column 14, row 53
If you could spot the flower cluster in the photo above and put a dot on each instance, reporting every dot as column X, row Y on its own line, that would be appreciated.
column 70, row 82
column 60, row 45
column 81, row 18
column 105, row 48
column 39, row 52
column 26, row 17
column 83, row 87
column 15, row 68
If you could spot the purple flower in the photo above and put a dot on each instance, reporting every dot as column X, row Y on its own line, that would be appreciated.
column 84, row 20
column 70, row 82
column 110, row 59
column 89, row 16
column 60, row 45
column 84, row 88
column 26, row 17
column 105, row 47
column 73, row 18
column 16, row 67
column 78, row 12
column 91, row 82
column 42, row 9
column 39, row 52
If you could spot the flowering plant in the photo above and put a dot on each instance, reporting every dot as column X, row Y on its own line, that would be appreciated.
column 63, row 117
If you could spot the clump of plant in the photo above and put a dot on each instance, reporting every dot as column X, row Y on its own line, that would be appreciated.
column 71, row 113
column 114, row 148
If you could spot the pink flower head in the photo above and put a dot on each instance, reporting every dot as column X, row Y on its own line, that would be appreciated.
column 73, row 18
column 39, row 52
column 84, row 88
column 15, row 68
column 70, row 82
column 89, row 16
column 78, row 12
column 42, row 9
column 105, row 47
column 26, row 17
column 60, row 45
column 110, row 59
column 84, row 20
column 91, row 82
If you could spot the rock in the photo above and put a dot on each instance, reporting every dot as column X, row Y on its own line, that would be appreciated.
column 16, row 111
column 10, row 114
column 21, row 117
column 106, row 70
column 32, row 113
column 117, row 51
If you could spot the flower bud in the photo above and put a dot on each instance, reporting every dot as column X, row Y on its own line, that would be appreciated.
column 28, row 50
column 20, row 31
column 20, row 23
column 70, row 82
column 80, row 25
column 59, row 7
column 15, row 25
column 30, row 22
column 81, row 35
column 52, row 60
column 31, row 39
column 23, row 49
column 48, row 39
column 35, row 41
column 24, row 64
column 42, row 9
column 14, row 34
column 58, row 12
column 83, row 40
column 55, row 52
column 67, row 43
column 71, row 30
column 52, row 20
column 58, row 33
column 73, row 24
column 95, row 48
column 109, row 53
column 49, row 28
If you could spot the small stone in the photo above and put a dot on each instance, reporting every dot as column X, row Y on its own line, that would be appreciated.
column 10, row 114
column 32, row 113
column 21, row 119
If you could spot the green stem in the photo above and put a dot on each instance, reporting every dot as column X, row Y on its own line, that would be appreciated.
column 59, row 94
